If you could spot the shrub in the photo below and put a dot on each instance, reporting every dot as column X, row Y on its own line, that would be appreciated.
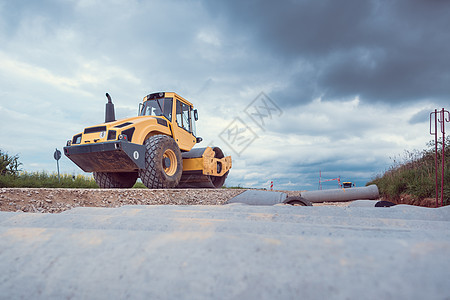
column 9, row 165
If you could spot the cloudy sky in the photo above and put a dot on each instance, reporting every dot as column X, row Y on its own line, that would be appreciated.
column 287, row 88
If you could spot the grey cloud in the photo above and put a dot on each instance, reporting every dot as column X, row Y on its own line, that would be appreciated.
column 311, row 28
column 392, row 77
column 421, row 116
column 221, row 55
column 382, row 51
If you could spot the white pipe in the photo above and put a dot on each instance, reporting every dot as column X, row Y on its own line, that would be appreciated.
column 336, row 195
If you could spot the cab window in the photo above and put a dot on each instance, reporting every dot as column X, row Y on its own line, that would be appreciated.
column 194, row 130
column 158, row 107
column 183, row 116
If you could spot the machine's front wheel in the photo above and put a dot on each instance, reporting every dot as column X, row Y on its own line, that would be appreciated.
column 115, row 180
column 163, row 163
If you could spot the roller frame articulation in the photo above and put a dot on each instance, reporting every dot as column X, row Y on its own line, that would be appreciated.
column 203, row 159
column 200, row 168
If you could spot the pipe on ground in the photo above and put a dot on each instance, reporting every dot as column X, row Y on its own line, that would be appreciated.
column 340, row 195
column 258, row 197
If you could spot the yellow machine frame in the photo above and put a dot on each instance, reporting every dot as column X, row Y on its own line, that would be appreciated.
column 137, row 130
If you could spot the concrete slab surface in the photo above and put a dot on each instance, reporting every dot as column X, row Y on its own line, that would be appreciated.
column 257, row 197
column 227, row 252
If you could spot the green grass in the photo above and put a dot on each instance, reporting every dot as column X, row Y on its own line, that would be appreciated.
column 139, row 185
column 415, row 175
column 45, row 180
column 239, row 187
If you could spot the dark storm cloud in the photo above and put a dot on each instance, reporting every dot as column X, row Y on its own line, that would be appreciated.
column 382, row 51
column 58, row 58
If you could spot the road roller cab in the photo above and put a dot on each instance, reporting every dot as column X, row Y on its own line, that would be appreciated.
column 156, row 146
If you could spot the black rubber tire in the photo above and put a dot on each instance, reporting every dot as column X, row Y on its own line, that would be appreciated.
column 110, row 180
column 297, row 201
column 155, row 175
column 218, row 181
column 384, row 204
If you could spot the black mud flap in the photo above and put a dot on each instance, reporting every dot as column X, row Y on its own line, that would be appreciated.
column 117, row 156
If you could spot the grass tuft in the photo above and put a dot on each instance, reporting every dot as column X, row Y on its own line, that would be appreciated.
column 414, row 174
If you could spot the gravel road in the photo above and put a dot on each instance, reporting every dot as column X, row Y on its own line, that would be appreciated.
column 46, row 200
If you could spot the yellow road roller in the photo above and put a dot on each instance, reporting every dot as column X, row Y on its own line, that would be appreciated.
column 156, row 146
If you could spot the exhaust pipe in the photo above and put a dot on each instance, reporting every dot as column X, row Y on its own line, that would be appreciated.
column 110, row 115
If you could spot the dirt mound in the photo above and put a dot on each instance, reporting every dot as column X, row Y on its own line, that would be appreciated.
column 411, row 200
